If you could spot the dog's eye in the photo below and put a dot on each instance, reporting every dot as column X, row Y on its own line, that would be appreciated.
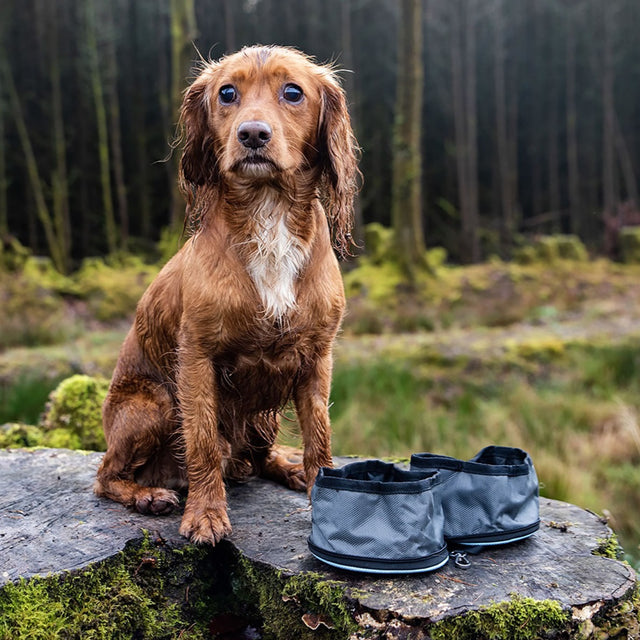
column 292, row 93
column 228, row 94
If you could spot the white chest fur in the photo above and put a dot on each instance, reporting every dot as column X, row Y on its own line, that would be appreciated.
column 277, row 258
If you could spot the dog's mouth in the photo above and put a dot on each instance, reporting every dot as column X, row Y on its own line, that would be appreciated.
column 255, row 164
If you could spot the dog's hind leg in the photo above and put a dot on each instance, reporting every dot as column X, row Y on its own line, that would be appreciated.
column 138, row 427
column 284, row 465
column 279, row 463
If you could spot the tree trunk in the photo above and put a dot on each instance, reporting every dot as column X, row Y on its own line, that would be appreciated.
column 59, row 179
column 4, row 185
column 609, row 195
column 626, row 163
column 406, row 208
column 101, row 123
column 552, row 139
column 4, row 180
column 37, row 186
column 229, row 26
column 573, row 170
column 536, row 125
column 183, row 33
column 463, row 51
column 350, row 88
column 137, row 19
column 115, row 137
column 471, row 222
column 502, row 139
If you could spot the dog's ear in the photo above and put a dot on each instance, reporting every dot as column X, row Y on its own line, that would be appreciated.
column 339, row 162
column 198, row 165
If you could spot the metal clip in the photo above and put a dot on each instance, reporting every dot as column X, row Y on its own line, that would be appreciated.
column 460, row 559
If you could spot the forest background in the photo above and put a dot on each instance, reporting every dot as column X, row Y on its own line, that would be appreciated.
column 529, row 117
column 503, row 136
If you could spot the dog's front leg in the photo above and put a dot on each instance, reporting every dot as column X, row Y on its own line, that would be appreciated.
column 205, row 516
column 312, row 406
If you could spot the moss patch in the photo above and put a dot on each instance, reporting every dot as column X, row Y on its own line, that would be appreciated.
column 73, row 416
column 147, row 591
column 620, row 621
column 519, row 619
column 288, row 604
column 609, row 548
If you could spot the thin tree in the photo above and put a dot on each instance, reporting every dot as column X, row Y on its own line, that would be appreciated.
column 229, row 26
column 4, row 182
column 573, row 169
column 183, row 34
column 609, row 191
column 101, row 123
column 115, row 137
column 35, row 182
column 137, row 18
column 507, row 226
column 463, row 75
column 59, row 178
column 350, row 88
column 406, row 207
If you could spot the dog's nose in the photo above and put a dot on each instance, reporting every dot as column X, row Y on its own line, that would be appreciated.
column 254, row 134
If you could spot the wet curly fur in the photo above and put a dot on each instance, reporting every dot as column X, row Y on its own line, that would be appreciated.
column 243, row 318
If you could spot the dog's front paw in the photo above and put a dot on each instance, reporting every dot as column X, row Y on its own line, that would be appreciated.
column 205, row 524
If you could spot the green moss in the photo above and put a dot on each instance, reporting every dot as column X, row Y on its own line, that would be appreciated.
column 550, row 249
column 519, row 619
column 378, row 282
column 112, row 287
column 378, row 242
column 13, row 254
column 544, row 349
column 138, row 594
column 280, row 602
column 73, row 416
column 620, row 621
column 16, row 435
column 609, row 548
column 630, row 244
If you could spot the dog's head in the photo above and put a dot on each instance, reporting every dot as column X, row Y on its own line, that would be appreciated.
column 271, row 114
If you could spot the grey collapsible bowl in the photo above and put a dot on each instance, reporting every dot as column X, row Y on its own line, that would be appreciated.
column 490, row 499
column 373, row 517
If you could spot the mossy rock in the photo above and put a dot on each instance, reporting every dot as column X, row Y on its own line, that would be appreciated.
column 630, row 244
column 73, row 415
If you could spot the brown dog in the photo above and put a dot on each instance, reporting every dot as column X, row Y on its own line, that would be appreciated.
column 244, row 316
